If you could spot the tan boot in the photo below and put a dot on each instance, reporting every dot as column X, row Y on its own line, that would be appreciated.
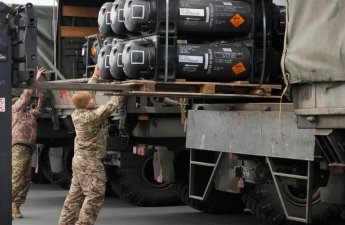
column 16, row 212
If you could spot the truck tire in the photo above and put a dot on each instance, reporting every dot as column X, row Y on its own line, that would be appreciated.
column 109, row 170
column 62, row 179
column 342, row 213
column 38, row 178
column 136, row 185
column 218, row 202
column 264, row 203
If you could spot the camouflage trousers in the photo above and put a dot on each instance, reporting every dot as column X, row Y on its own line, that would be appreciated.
column 86, row 194
column 21, row 172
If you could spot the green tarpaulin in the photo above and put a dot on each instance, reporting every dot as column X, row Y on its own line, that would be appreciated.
column 315, row 41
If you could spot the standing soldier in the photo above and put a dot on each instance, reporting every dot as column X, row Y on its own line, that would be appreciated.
column 24, row 130
column 86, row 194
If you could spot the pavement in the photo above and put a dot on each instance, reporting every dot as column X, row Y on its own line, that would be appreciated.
column 44, row 204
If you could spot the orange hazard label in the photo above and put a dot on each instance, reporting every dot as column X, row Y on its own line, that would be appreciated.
column 237, row 20
column 239, row 68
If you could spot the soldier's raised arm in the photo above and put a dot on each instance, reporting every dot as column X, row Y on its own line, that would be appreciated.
column 25, row 97
column 94, row 80
column 104, row 111
column 40, row 105
column 23, row 100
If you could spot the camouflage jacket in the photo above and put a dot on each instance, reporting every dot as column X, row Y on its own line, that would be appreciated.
column 91, row 128
column 24, row 124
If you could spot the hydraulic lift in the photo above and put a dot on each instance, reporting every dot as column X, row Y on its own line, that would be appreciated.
column 18, row 60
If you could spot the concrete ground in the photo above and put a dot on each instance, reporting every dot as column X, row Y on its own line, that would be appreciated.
column 44, row 204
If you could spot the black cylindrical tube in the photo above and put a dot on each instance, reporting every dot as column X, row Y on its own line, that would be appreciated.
column 117, row 18
column 139, row 59
column 104, row 19
column 103, row 60
column 140, row 15
column 115, row 61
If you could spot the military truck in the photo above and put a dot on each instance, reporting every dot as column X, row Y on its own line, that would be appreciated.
column 242, row 146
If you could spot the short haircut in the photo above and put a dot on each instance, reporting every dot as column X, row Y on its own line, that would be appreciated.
column 80, row 99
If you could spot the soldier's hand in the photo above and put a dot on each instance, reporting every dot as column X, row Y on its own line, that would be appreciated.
column 39, row 72
column 39, row 94
column 118, row 100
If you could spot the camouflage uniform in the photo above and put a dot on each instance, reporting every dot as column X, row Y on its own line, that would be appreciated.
column 24, row 131
column 86, row 194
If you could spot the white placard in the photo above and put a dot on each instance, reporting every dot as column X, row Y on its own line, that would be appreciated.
column 142, row 8
column 190, row 59
column 142, row 57
column 192, row 12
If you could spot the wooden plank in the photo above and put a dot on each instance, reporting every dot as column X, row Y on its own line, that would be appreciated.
column 194, row 95
column 70, row 31
column 79, row 11
column 208, row 89
column 147, row 87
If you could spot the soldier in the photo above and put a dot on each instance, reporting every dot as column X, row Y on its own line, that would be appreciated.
column 24, row 126
column 86, row 194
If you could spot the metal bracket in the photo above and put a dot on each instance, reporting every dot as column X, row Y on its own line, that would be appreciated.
column 194, row 163
column 88, row 44
column 278, row 176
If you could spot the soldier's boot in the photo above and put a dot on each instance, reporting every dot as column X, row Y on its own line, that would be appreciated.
column 16, row 211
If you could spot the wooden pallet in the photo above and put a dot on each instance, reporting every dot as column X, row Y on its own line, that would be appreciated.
column 179, row 88
column 183, row 88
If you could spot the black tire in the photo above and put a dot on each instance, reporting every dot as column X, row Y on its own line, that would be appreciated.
column 264, row 203
column 108, row 189
column 218, row 202
column 342, row 214
column 136, row 185
column 38, row 178
column 64, row 178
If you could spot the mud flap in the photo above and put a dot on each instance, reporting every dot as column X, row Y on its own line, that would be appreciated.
column 163, row 166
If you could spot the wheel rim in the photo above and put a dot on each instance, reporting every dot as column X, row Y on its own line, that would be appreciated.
column 147, row 176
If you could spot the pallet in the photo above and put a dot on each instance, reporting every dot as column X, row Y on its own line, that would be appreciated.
column 183, row 88
column 179, row 88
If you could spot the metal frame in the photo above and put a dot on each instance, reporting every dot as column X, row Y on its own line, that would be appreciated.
column 208, row 188
column 97, row 37
column 310, row 181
